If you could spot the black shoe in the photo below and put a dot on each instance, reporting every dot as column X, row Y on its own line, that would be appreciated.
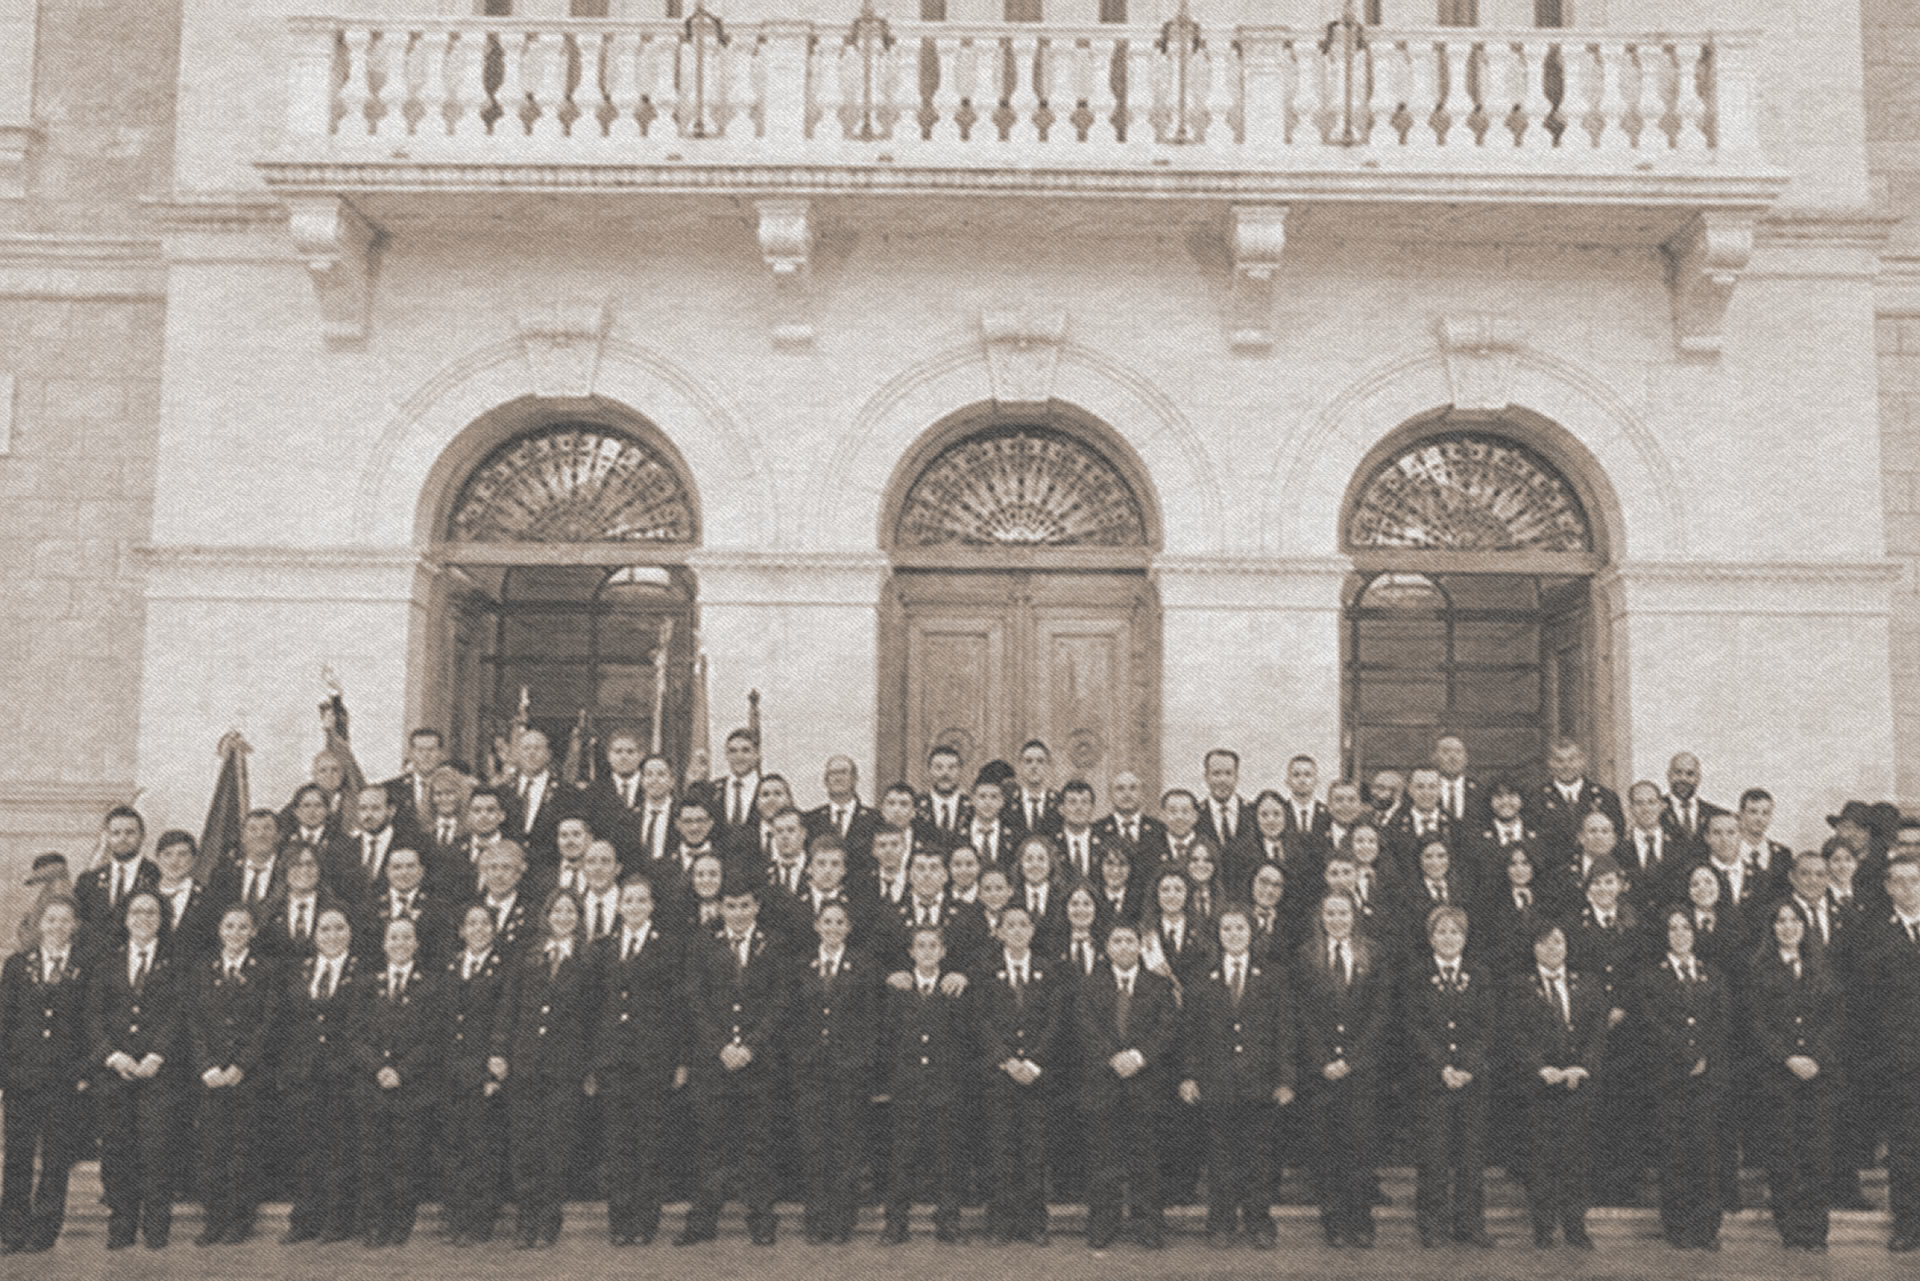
column 762, row 1235
column 1482, row 1239
column 240, row 1233
column 1428, row 1240
column 158, row 1240
column 1099, row 1240
column 1579, row 1240
column 373, row 1240
column 119, row 1239
column 1153, row 1237
column 460, row 1240
column 1852, row 1200
column 1039, row 1236
column 1219, row 1239
column 1542, row 1240
column 333, row 1236
column 1334, row 1236
column 946, row 1234
column 1904, row 1242
column 1711, row 1242
column 299, row 1236
column 695, row 1236
column 1262, row 1236
column 208, row 1236
column 893, row 1234
column 39, row 1244
column 525, row 1240
column 1361, row 1240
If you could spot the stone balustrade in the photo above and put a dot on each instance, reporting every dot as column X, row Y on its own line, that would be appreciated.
column 1022, row 97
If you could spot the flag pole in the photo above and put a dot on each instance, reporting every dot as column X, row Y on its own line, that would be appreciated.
column 660, row 682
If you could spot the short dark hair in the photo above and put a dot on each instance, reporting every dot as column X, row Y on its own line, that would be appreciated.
column 1297, row 757
column 125, row 811
column 498, row 795
column 900, row 789
column 1753, row 794
column 1032, row 743
column 1504, row 785
column 826, row 841
column 743, row 734
column 1172, row 792
column 692, row 803
column 632, row 879
column 1227, row 752
column 945, row 749
column 1078, row 787
column 300, row 792
column 172, row 837
column 258, row 811
column 427, row 731
column 785, row 810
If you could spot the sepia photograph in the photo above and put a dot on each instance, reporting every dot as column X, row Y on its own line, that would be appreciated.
column 959, row 638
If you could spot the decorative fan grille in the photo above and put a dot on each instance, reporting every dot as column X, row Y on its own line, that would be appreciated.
column 575, row 483
column 1022, row 487
column 1470, row 493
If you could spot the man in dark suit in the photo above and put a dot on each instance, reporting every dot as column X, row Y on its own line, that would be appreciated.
column 1654, row 860
column 189, row 915
column 293, row 918
column 1891, row 972
column 1685, row 812
column 783, row 909
column 540, row 799
column 736, row 996
column 1225, row 812
column 1080, row 843
column 1033, row 806
column 1422, row 820
column 502, row 868
column 355, row 863
column 1125, row 1022
column 1449, row 1009
column 619, row 803
column 401, row 893
column 961, row 925
column 897, row 809
column 1555, row 1022
column 1772, row 860
column 1019, row 1006
column 1307, row 818
column 844, row 813
column 945, row 807
column 397, row 1029
column 1127, row 823
column 410, row 791
column 1570, row 796
column 1175, row 841
column 1386, row 793
column 832, row 1041
column 256, row 874
column 639, row 1059
column 1460, row 797
column 1485, row 852
column 102, row 891
column 1239, row 1066
column 988, row 832
column 1607, row 944
column 135, row 1021
column 730, row 799
column 925, row 1033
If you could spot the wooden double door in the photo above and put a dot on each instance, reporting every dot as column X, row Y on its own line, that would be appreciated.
column 983, row 661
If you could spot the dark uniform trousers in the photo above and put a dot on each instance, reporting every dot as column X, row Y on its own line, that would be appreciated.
column 1451, row 1025
column 1797, row 1016
column 731, row 1004
column 43, row 1049
column 316, row 1093
column 139, row 1119
column 928, row 1042
column 472, row 1121
column 1023, row 1025
column 230, row 1020
column 402, row 1033
column 834, row 1025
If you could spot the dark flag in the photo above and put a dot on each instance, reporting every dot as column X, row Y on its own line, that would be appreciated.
column 333, row 720
column 221, row 835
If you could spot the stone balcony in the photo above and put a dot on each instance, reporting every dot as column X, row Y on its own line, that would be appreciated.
column 1175, row 109
column 1595, row 135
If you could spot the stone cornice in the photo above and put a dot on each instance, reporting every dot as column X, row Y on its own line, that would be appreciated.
column 228, row 211
column 1868, row 573
column 1749, row 189
column 1253, row 566
column 745, row 560
column 183, row 556
column 95, row 267
column 1862, row 229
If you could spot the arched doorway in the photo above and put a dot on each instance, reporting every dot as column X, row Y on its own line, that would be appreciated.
column 1019, row 605
column 567, row 597
column 1471, row 610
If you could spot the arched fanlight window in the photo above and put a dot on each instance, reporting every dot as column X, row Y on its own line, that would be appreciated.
column 1469, row 492
column 1021, row 486
column 573, row 483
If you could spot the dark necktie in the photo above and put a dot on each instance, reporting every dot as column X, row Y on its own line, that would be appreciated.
column 140, row 970
column 1237, row 982
column 1122, row 1007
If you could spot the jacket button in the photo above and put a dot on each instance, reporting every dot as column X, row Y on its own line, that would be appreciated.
column 541, row 1032
column 923, row 1060
column 546, row 1009
column 623, row 1016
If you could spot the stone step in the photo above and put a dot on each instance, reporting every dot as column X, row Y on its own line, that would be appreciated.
column 1506, row 1213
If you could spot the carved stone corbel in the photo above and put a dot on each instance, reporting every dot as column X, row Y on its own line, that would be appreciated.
column 1704, row 263
column 1480, row 349
column 1023, row 351
column 338, row 245
column 1258, row 238
column 562, row 341
column 786, row 234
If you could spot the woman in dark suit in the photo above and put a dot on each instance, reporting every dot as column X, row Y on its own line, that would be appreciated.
column 833, row 1024
column 1042, row 890
column 1716, row 923
column 316, row 1082
column 1079, row 954
column 540, row 1044
column 1341, row 984
column 43, row 1069
column 699, row 908
column 472, row 1108
column 1794, row 1013
column 396, row 1040
column 230, row 1018
column 136, row 1027
column 1684, row 1008
column 1449, row 1008
column 1555, row 1025
column 1173, row 942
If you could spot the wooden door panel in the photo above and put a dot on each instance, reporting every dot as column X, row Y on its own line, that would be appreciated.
column 1083, row 696
column 957, row 686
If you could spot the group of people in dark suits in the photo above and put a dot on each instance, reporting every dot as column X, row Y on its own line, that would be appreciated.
column 435, row 989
